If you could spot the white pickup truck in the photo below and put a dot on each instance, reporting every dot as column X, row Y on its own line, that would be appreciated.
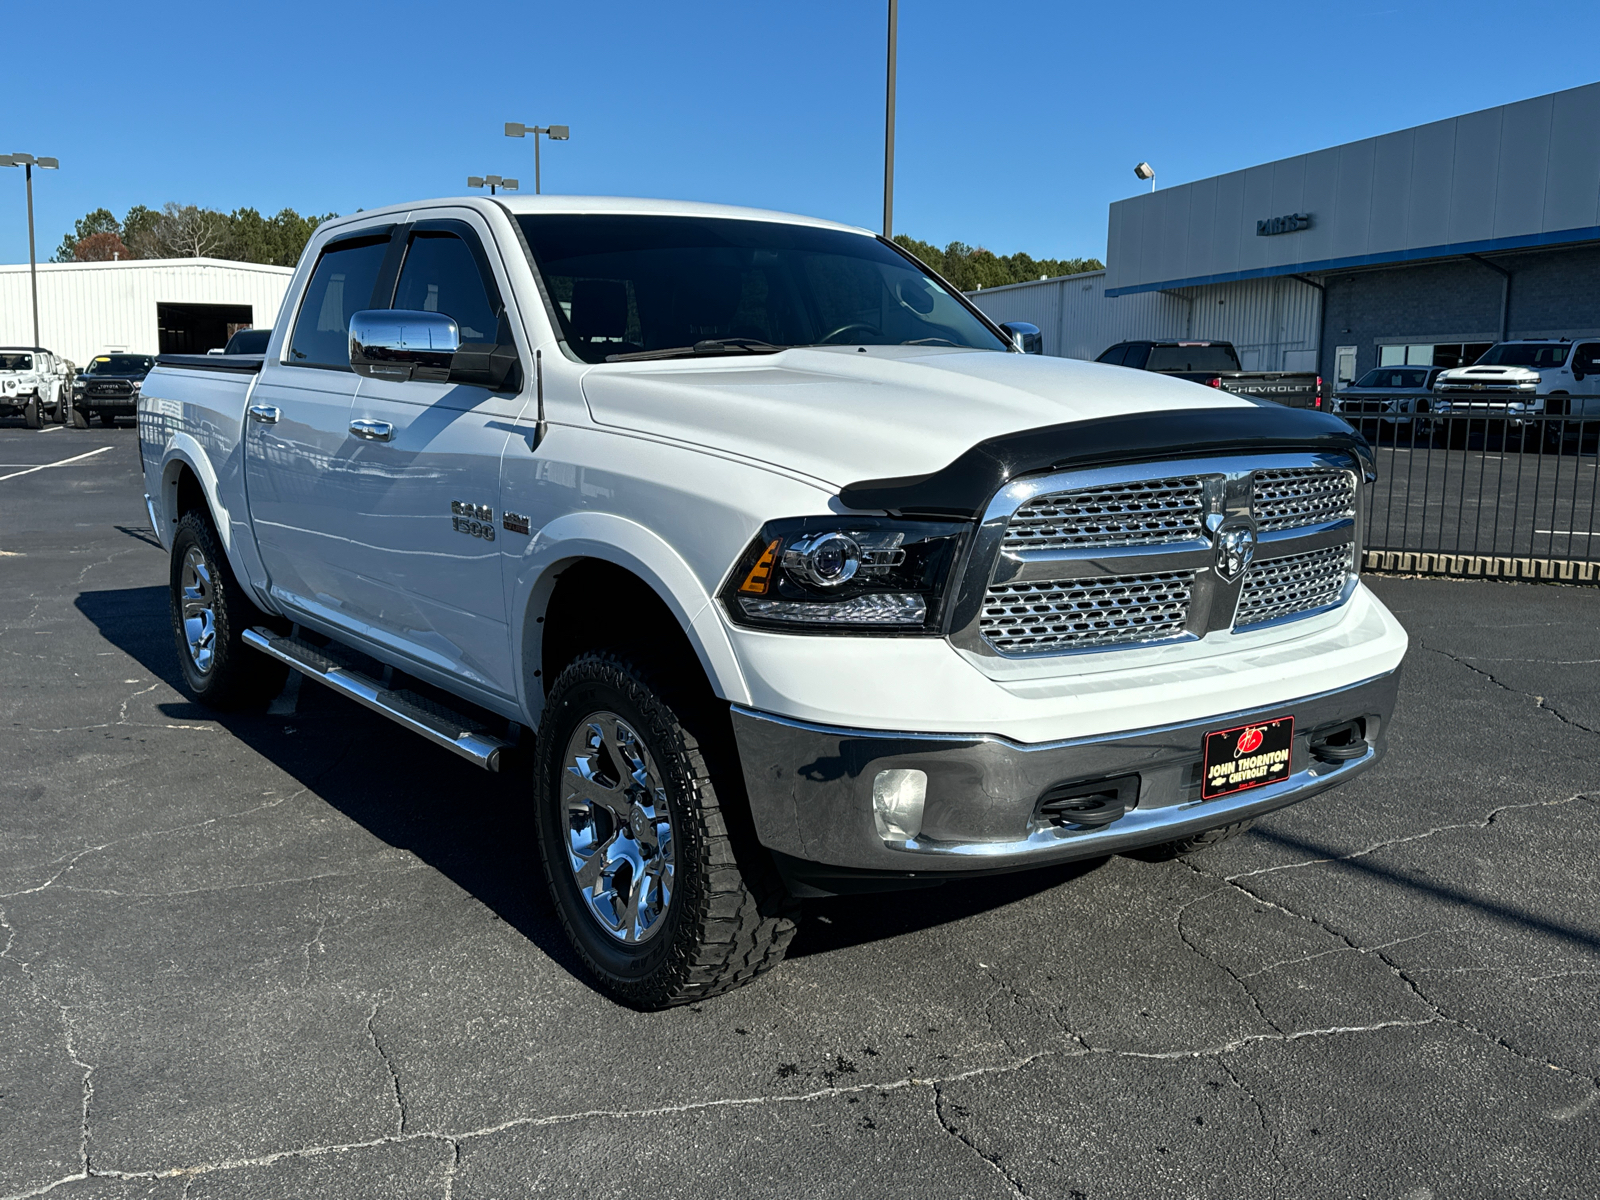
column 769, row 559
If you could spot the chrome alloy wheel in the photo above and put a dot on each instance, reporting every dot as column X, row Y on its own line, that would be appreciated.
column 619, row 828
column 199, row 615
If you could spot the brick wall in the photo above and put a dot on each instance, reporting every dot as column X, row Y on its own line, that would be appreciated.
column 1553, row 293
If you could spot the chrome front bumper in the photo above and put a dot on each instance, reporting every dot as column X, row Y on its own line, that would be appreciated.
column 810, row 789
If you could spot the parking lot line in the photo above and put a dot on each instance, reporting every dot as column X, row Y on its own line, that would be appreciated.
column 63, row 462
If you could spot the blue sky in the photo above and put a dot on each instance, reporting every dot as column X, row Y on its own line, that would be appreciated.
column 1018, row 122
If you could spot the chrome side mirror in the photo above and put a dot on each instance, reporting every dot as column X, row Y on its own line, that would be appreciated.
column 397, row 343
column 1024, row 337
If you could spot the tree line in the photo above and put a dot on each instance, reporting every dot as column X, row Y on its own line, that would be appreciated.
column 188, row 231
column 973, row 267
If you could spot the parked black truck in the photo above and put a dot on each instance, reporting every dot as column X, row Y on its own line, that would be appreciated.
column 1216, row 364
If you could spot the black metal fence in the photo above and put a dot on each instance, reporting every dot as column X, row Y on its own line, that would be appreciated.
column 1485, row 495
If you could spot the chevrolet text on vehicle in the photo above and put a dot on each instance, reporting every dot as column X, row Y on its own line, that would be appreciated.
column 807, row 580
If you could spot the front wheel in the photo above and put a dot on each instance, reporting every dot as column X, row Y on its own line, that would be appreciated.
column 33, row 415
column 210, row 613
column 636, row 833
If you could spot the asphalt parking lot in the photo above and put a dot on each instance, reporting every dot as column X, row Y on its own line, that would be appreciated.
column 296, row 954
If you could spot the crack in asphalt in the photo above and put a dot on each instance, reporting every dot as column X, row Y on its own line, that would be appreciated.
column 394, row 1076
column 1274, row 1142
column 1410, row 837
column 1440, row 1015
column 827, row 1093
column 233, row 887
column 993, row 1160
column 1183, row 936
column 71, row 859
column 1539, row 701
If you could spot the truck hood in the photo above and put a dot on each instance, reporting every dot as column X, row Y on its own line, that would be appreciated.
column 1487, row 375
column 840, row 415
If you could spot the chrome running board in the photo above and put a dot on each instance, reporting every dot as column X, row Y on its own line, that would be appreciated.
column 440, row 725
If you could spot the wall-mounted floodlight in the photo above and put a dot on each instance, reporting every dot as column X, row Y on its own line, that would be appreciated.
column 1145, row 171
column 556, row 133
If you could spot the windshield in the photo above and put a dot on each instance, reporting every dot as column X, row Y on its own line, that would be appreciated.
column 1525, row 354
column 630, row 284
column 1389, row 377
column 120, row 364
column 16, row 362
column 1192, row 358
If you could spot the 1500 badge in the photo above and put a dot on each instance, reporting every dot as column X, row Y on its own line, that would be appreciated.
column 474, row 520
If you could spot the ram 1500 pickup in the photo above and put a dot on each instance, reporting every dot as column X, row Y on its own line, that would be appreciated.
column 768, row 559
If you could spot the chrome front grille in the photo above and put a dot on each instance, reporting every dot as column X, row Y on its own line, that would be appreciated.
column 1124, row 514
column 1282, row 587
column 1290, row 497
column 1036, row 617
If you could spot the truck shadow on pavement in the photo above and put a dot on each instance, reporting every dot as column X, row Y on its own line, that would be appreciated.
column 472, row 826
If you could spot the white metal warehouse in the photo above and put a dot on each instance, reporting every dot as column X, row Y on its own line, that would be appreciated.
column 146, row 306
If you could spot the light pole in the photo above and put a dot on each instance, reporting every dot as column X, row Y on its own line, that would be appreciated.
column 1145, row 171
column 888, row 125
column 492, row 182
column 556, row 133
column 28, row 162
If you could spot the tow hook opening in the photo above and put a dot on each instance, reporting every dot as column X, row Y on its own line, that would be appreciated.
column 1339, row 743
column 1088, row 804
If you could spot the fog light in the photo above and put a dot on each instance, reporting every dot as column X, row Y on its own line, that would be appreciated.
column 897, row 800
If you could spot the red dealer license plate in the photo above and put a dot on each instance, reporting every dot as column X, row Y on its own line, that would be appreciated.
column 1246, row 757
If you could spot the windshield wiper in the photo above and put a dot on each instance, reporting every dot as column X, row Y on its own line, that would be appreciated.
column 730, row 345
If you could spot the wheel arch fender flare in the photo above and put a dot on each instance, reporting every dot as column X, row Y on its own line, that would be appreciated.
column 185, row 452
column 634, row 548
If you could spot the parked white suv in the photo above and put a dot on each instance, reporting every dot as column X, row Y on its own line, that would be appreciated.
column 34, row 384
column 806, row 578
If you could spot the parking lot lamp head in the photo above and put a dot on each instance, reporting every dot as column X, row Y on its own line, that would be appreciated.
column 556, row 133
column 1145, row 171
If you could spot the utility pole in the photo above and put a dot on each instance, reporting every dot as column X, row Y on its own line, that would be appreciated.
column 888, row 126
column 27, row 162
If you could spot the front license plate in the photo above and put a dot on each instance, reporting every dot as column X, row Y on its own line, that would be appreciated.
column 1246, row 757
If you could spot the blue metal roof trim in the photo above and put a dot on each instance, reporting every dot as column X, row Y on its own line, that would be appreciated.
column 1524, row 241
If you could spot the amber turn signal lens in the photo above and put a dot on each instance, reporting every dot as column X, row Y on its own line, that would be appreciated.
column 760, row 577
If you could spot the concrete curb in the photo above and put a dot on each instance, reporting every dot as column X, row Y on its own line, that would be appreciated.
column 1481, row 566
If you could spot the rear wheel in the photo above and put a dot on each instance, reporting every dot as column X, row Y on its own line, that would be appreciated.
column 210, row 613
column 636, row 833
column 32, row 415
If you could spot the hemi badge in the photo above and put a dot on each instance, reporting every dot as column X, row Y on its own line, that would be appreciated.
column 514, row 522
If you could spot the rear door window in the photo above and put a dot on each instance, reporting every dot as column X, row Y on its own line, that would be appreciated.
column 341, row 286
column 1114, row 356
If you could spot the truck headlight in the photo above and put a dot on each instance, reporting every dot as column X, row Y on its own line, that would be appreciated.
column 845, row 575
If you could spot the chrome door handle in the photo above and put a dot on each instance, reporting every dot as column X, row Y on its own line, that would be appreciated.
column 372, row 431
column 265, row 413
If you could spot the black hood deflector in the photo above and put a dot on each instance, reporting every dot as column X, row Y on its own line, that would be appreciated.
column 965, row 487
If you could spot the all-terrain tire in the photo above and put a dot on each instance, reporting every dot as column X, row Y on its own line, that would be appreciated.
column 729, row 917
column 80, row 419
column 1203, row 840
column 33, row 415
column 210, row 613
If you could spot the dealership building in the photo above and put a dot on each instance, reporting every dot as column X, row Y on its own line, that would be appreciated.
column 1422, row 246
column 144, row 306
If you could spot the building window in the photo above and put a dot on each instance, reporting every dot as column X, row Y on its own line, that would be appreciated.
column 1436, row 354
